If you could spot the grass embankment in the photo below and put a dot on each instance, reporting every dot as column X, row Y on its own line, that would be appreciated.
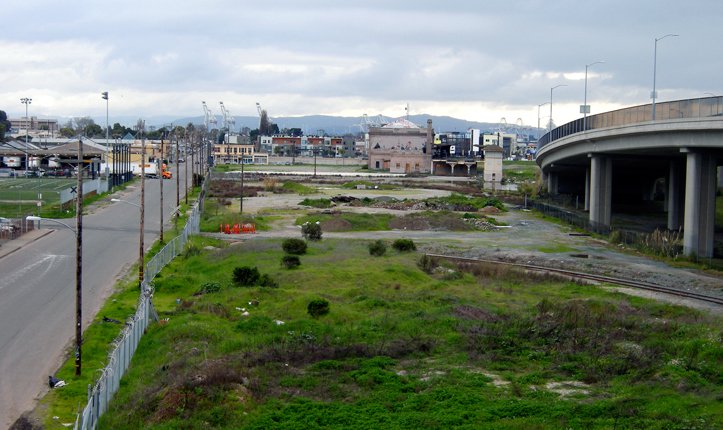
column 520, row 171
column 403, row 348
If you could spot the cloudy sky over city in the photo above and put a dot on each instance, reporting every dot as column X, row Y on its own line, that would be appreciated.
column 477, row 60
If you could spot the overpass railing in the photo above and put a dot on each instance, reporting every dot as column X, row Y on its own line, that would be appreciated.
column 690, row 108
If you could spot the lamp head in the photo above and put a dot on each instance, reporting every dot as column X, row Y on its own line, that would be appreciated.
column 32, row 218
column 104, row 95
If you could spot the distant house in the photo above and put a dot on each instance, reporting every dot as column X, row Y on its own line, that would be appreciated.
column 401, row 147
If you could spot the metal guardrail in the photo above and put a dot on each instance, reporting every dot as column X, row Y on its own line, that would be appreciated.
column 690, row 108
column 123, row 347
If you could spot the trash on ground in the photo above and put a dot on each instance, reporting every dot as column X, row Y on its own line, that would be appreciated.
column 56, row 382
column 111, row 320
column 279, row 322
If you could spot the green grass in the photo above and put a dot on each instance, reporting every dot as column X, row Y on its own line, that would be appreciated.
column 299, row 189
column 359, row 222
column 402, row 349
column 19, row 196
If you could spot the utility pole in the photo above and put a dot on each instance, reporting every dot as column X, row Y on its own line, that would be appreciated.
column 79, row 262
column 178, row 184
column 161, row 164
column 185, row 155
column 141, row 263
column 241, row 204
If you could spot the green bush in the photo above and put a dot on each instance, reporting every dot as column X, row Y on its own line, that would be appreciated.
column 209, row 287
column 318, row 308
column 246, row 276
column 404, row 245
column 377, row 248
column 191, row 251
column 294, row 246
column 311, row 231
column 290, row 261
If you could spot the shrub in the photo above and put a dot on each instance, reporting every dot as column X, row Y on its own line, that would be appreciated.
column 377, row 248
column 191, row 251
column 246, row 276
column 290, row 261
column 294, row 246
column 426, row 264
column 270, row 184
column 404, row 245
column 318, row 308
column 311, row 231
column 208, row 287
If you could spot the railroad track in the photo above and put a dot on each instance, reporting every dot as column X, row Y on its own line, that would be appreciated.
column 595, row 278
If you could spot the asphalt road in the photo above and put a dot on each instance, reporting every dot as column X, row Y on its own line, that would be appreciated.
column 37, row 288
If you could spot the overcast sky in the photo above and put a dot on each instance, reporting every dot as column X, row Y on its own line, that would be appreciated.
column 477, row 60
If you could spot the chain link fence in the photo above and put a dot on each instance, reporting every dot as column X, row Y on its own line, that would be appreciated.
column 123, row 347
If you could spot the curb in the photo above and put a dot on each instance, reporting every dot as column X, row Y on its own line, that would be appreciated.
column 18, row 245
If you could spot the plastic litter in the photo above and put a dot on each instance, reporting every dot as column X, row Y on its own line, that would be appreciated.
column 279, row 322
column 111, row 320
column 55, row 382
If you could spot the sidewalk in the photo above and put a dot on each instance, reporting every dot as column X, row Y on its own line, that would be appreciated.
column 13, row 245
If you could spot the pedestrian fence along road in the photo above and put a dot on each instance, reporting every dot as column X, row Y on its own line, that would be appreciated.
column 123, row 347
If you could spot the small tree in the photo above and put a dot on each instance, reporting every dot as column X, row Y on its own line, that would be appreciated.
column 311, row 231
column 318, row 308
column 404, row 245
column 377, row 248
column 294, row 246
column 290, row 261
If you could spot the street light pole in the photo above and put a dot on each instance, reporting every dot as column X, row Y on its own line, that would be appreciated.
column 561, row 85
column 538, row 119
column 78, row 231
column 104, row 96
column 654, row 95
column 585, row 108
column 26, row 101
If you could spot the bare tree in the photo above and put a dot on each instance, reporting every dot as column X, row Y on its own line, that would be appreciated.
column 80, row 123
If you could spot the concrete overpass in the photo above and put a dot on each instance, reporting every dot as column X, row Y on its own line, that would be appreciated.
column 623, row 154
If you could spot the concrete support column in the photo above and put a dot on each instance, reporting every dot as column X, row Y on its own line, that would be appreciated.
column 601, row 185
column 552, row 181
column 587, row 189
column 699, row 223
column 675, row 196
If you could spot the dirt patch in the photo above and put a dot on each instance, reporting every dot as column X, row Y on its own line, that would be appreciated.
column 421, row 223
column 336, row 224
column 490, row 210
column 474, row 313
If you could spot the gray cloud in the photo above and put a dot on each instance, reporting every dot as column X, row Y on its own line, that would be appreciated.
column 480, row 60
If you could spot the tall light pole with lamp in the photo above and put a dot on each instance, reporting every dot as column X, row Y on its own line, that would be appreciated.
column 538, row 119
column 561, row 85
column 585, row 109
column 654, row 94
column 104, row 96
column 78, row 285
column 26, row 101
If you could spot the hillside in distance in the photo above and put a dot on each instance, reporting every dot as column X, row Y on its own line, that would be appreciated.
column 311, row 124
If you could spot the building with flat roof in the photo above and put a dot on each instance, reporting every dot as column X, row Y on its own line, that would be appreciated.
column 401, row 147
